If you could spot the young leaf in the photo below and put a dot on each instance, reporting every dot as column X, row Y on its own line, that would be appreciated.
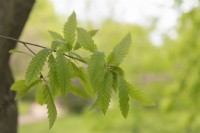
column 18, row 51
column 22, row 88
column 77, row 72
column 93, row 32
column 104, row 92
column 53, row 79
column 77, row 46
column 116, row 71
column 18, row 85
column 55, row 35
column 140, row 96
column 52, row 113
column 40, row 94
column 63, row 72
column 96, row 69
column 36, row 65
column 86, row 83
column 120, row 51
column 57, row 43
column 123, row 96
column 77, row 90
column 115, row 81
column 70, row 30
column 64, row 47
column 85, row 40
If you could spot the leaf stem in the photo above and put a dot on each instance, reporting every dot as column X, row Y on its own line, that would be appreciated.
column 29, row 49
column 41, row 76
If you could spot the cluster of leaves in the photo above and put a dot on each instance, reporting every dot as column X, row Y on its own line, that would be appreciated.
column 101, row 77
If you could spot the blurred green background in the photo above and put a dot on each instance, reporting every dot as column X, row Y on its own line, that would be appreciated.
column 168, row 72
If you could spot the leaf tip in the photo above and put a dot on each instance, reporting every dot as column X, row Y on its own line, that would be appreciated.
column 129, row 37
column 10, row 51
column 73, row 13
column 125, row 115
column 151, row 103
column 104, row 111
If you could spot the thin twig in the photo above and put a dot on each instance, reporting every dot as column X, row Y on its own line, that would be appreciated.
column 72, row 57
column 36, row 45
column 13, row 39
column 29, row 49
column 41, row 76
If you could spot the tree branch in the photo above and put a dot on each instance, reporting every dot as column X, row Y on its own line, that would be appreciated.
column 36, row 45
column 13, row 39
column 29, row 49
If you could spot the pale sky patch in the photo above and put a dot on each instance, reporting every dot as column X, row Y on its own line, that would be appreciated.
column 127, row 11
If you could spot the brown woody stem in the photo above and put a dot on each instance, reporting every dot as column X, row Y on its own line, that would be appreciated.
column 36, row 45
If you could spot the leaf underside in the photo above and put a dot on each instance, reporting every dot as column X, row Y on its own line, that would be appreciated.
column 36, row 65
column 21, row 87
column 120, row 51
column 85, row 40
column 104, row 92
column 55, row 35
column 63, row 73
column 52, row 112
column 52, row 74
column 70, row 31
column 140, row 96
column 96, row 69
column 123, row 96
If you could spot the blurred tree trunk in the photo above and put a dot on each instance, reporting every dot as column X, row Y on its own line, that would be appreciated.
column 13, row 15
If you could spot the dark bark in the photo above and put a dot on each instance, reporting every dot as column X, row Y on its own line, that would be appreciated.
column 13, row 15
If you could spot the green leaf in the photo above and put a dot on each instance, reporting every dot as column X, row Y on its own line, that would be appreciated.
column 115, row 81
column 85, row 40
column 52, row 113
column 58, row 40
column 120, row 51
column 55, row 36
column 40, row 94
column 116, row 71
column 52, row 74
column 63, row 73
column 77, row 90
column 36, row 65
column 55, row 44
column 64, row 47
column 96, row 69
column 95, row 104
column 18, row 51
column 123, row 96
column 92, row 32
column 78, row 56
column 18, row 85
column 140, row 96
column 77, row 72
column 22, row 88
column 70, row 30
column 77, row 46
column 104, row 92
column 86, row 83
